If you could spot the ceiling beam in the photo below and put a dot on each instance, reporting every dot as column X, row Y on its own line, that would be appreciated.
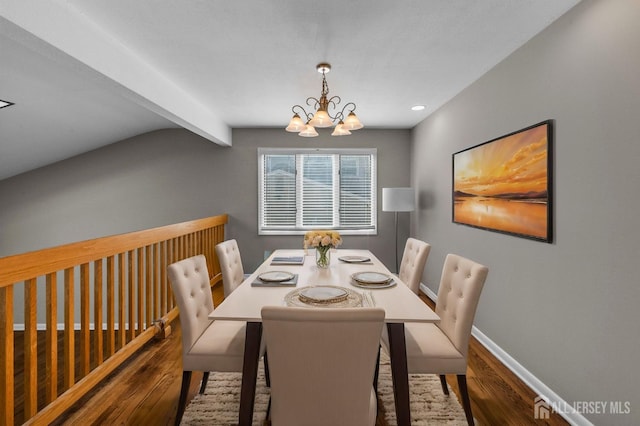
column 60, row 32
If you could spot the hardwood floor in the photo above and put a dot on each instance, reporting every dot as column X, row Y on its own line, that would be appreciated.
column 498, row 397
column 145, row 390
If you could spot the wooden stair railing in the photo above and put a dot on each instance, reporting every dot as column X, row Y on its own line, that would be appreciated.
column 121, row 286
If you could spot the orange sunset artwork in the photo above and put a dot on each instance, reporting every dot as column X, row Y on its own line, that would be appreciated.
column 503, row 184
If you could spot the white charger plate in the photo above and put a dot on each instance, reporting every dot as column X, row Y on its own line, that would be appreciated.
column 369, row 277
column 323, row 294
column 352, row 300
column 354, row 259
column 276, row 276
column 374, row 286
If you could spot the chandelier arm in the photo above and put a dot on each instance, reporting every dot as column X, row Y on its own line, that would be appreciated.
column 341, row 114
column 313, row 102
column 303, row 112
column 334, row 100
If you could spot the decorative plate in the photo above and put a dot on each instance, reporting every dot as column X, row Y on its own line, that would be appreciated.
column 352, row 299
column 354, row 259
column 391, row 283
column 276, row 276
column 323, row 294
column 371, row 278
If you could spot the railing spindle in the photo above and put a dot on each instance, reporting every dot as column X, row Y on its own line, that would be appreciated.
column 98, row 338
column 51, row 385
column 85, row 337
column 148, row 262
column 121, row 305
column 163, row 277
column 132, row 296
column 6, row 360
column 170, row 259
column 140, row 265
column 69, row 331
column 30, row 348
column 111, row 332
column 156, row 284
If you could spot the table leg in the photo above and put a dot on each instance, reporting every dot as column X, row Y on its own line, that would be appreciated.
column 249, row 372
column 399, row 372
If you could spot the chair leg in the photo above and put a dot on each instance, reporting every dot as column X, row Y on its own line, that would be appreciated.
column 184, row 390
column 268, row 419
column 205, row 380
column 376, row 373
column 267, row 376
column 443, row 382
column 464, row 395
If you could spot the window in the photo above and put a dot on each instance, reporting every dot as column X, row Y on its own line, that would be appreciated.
column 303, row 189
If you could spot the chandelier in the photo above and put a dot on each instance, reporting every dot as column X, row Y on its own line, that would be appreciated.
column 304, row 123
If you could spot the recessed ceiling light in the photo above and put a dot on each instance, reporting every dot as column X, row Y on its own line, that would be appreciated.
column 5, row 103
column 417, row 108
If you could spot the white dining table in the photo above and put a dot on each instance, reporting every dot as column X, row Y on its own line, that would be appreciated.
column 399, row 303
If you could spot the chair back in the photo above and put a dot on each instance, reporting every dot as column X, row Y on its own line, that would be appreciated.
column 190, row 285
column 322, row 363
column 230, row 265
column 460, row 287
column 413, row 261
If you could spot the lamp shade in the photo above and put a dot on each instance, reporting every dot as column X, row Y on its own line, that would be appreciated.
column 340, row 130
column 352, row 122
column 321, row 119
column 398, row 200
column 296, row 124
column 309, row 132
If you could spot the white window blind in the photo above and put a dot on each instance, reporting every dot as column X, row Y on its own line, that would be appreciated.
column 279, row 190
column 356, row 191
column 303, row 189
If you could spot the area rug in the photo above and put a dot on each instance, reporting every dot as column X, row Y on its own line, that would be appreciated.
column 429, row 405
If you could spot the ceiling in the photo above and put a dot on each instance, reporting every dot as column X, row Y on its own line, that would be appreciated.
column 87, row 73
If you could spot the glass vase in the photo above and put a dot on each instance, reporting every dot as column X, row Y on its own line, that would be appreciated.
column 323, row 257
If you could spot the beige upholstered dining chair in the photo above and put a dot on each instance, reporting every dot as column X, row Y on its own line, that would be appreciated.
column 413, row 261
column 322, row 364
column 230, row 265
column 206, row 345
column 443, row 348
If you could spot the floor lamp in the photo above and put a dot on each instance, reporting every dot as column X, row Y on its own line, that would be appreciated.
column 397, row 200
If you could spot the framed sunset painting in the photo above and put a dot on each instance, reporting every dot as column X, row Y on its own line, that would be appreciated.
column 504, row 185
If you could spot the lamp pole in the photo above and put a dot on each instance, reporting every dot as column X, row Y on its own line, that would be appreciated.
column 396, row 225
column 397, row 200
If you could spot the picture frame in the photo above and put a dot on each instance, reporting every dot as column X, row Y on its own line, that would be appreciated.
column 505, row 184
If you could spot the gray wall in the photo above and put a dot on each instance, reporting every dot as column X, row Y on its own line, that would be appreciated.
column 567, row 311
column 393, row 157
column 171, row 176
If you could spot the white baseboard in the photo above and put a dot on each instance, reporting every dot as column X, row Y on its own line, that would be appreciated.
column 551, row 398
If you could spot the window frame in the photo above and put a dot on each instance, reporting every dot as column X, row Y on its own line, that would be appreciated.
column 320, row 151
